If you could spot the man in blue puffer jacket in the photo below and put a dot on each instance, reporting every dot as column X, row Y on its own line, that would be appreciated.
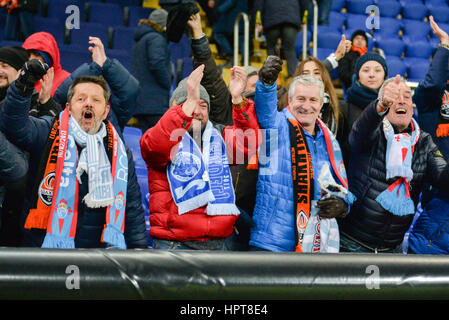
column 430, row 233
column 287, row 185
column 32, row 135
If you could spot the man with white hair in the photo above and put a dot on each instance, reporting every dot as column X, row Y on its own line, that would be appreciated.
column 391, row 160
column 290, row 195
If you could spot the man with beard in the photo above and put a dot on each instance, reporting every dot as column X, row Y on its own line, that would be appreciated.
column 192, row 200
column 84, row 194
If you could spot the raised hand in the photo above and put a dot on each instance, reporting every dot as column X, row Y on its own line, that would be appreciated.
column 440, row 33
column 195, row 24
column 46, row 85
column 343, row 47
column 193, row 90
column 97, row 51
column 391, row 93
column 30, row 73
column 270, row 70
column 237, row 83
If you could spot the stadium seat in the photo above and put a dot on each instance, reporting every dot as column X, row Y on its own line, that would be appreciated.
column 418, row 71
column 328, row 40
column 323, row 53
column 124, row 56
column 72, row 57
column 440, row 13
column 80, row 37
column 356, row 21
column 126, row 3
column 358, row 6
column 298, row 47
column 181, row 49
column 391, row 47
column 109, row 14
column 389, row 8
column 414, row 11
column 56, row 9
column 419, row 49
column 338, row 5
column 131, row 136
column 389, row 25
column 50, row 25
column 337, row 20
column 410, row 62
column 123, row 38
column 133, row 14
column 396, row 66
column 433, row 3
column 415, row 29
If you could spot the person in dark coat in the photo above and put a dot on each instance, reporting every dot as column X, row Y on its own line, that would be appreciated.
column 346, row 65
column 150, row 65
column 429, row 234
column 391, row 161
column 281, row 19
column 20, row 18
column 98, row 221
column 223, row 29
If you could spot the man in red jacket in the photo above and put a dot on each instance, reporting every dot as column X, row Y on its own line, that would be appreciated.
column 192, row 201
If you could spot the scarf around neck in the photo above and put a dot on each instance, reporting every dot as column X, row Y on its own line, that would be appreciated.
column 360, row 95
column 443, row 116
column 202, row 178
column 400, row 147
column 56, row 200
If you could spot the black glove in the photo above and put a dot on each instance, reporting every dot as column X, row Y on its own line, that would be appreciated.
column 32, row 71
column 270, row 70
column 332, row 207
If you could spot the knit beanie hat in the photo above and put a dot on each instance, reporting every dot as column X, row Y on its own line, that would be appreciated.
column 159, row 17
column 368, row 57
column 180, row 94
column 359, row 33
column 14, row 56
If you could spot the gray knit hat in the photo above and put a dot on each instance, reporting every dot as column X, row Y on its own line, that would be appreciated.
column 159, row 17
column 180, row 94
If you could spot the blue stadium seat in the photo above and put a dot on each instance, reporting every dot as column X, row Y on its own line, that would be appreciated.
column 126, row 3
column 356, row 21
column 338, row 5
column 414, row 11
column 124, row 56
column 389, row 25
column 358, row 6
column 410, row 62
column 337, row 20
column 181, row 49
column 389, row 8
column 50, row 25
column 73, row 56
column 415, row 29
column 134, row 14
column 56, row 9
column 419, row 49
column 396, row 66
column 109, row 14
column 432, row 3
column 392, row 47
column 123, row 38
column 5, row 43
column 440, row 13
column 328, row 40
column 131, row 137
column 418, row 71
column 298, row 47
column 323, row 53
column 80, row 37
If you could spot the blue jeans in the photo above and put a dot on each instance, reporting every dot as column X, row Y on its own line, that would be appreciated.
column 23, row 20
column 349, row 245
column 324, row 8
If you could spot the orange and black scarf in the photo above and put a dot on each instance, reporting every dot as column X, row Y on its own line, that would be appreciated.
column 443, row 117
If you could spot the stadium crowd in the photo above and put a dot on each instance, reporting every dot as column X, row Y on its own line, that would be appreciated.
column 322, row 154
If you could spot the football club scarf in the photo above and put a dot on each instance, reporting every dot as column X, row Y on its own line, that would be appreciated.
column 202, row 178
column 303, row 179
column 60, row 208
column 443, row 117
column 400, row 147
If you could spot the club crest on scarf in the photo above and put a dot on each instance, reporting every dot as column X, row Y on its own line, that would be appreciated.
column 46, row 187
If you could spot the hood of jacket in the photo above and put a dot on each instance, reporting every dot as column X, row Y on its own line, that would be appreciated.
column 144, row 27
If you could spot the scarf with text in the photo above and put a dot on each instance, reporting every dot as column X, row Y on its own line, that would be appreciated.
column 56, row 200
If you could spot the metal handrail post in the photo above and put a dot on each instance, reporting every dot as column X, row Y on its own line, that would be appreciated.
column 315, row 27
column 245, row 37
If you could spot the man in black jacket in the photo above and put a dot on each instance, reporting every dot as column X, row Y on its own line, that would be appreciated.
column 391, row 160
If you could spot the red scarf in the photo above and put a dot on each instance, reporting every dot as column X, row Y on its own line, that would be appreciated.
column 360, row 51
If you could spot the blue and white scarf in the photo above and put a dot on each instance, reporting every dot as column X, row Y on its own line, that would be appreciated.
column 396, row 198
column 105, row 189
column 202, row 178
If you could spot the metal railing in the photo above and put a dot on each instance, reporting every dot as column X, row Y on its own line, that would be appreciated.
column 245, row 39
column 315, row 28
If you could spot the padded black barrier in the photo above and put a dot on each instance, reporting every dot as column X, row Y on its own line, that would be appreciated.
column 27, row 273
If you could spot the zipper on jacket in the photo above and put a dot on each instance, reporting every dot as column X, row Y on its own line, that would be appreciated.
column 314, row 144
